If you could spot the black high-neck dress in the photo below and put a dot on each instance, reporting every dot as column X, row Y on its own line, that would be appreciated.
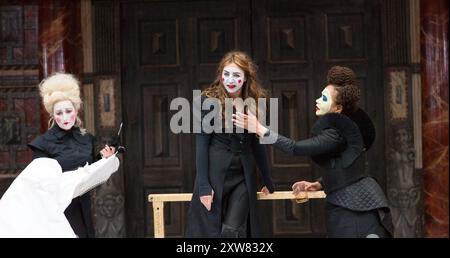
column 72, row 150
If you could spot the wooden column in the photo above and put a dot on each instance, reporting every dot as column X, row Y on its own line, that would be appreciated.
column 59, row 41
column 404, row 185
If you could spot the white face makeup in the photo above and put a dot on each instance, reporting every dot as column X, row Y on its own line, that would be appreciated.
column 233, row 78
column 64, row 114
column 323, row 104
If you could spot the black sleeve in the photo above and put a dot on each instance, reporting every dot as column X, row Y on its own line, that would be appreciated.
column 39, row 148
column 38, row 154
column 202, row 161
column 262, row 163
column 320, row 180
column 202, row 141
column 328, row 141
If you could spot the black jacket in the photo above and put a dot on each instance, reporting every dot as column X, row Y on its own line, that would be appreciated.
column 337, row 145
column 214, row 153
column 72, row 150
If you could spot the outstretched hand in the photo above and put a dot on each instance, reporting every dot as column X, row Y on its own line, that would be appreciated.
column 249, row 122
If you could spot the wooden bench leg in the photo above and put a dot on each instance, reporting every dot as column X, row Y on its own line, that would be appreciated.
column 158, row 219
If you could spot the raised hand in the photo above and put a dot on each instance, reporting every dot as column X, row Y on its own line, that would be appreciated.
column 249, row 122
column 107, row 151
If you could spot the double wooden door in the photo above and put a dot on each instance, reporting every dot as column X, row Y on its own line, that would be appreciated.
column 170, row 48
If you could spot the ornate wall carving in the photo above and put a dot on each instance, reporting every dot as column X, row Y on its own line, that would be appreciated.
column 404, row 184
column 109, row 200
column 19, row 121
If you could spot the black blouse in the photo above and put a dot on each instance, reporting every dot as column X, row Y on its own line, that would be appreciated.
column 203, row 142
column 234, row 142
column 70, row 148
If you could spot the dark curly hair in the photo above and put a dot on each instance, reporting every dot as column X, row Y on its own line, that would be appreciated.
column 348, row 93
column 341, row 76
column 348, row 97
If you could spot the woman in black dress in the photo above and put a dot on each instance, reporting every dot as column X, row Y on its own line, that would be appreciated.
column 67, row 142
column 356, row 204
column 224, row 197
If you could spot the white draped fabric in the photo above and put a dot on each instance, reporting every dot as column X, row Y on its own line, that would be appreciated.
column 34, row 204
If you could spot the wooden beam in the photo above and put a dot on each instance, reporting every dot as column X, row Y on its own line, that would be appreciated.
column 158, row 219
column 158, row 201
column 186, row 197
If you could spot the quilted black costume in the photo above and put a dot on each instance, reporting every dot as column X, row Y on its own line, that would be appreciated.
column 356, row 204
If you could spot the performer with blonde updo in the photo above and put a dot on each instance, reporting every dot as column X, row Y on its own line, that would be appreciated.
column 67, row 142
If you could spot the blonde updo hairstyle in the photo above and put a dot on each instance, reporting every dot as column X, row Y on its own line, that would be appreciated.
column 60, row 87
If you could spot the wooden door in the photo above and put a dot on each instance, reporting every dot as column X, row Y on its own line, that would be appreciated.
column 295, row 43
column 170, row 48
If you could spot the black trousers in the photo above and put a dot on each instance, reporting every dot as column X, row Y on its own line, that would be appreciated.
column 235, row 206
column 345, row 223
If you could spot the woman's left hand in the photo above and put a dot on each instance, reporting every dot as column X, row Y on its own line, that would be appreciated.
column 265, row 190
column 107, row 151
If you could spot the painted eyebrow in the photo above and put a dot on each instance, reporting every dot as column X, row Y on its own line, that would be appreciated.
column 232, row 72
column 65, row 109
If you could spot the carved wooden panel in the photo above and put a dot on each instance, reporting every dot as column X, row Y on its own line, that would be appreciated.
column 104, row 31
column 109, row 212
column 362, row 83
column 345, row 36
column 398, row 94
column 19, row 121
column 11, row 19
column 216, row 37
column 30, row 29
column 19, row 124
column 159, row 43
column 161, row 148
column 293, row 107
column 287, row 40
column 107, row 103
column 394, row 27
column 173, row 214
column 18, row 35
